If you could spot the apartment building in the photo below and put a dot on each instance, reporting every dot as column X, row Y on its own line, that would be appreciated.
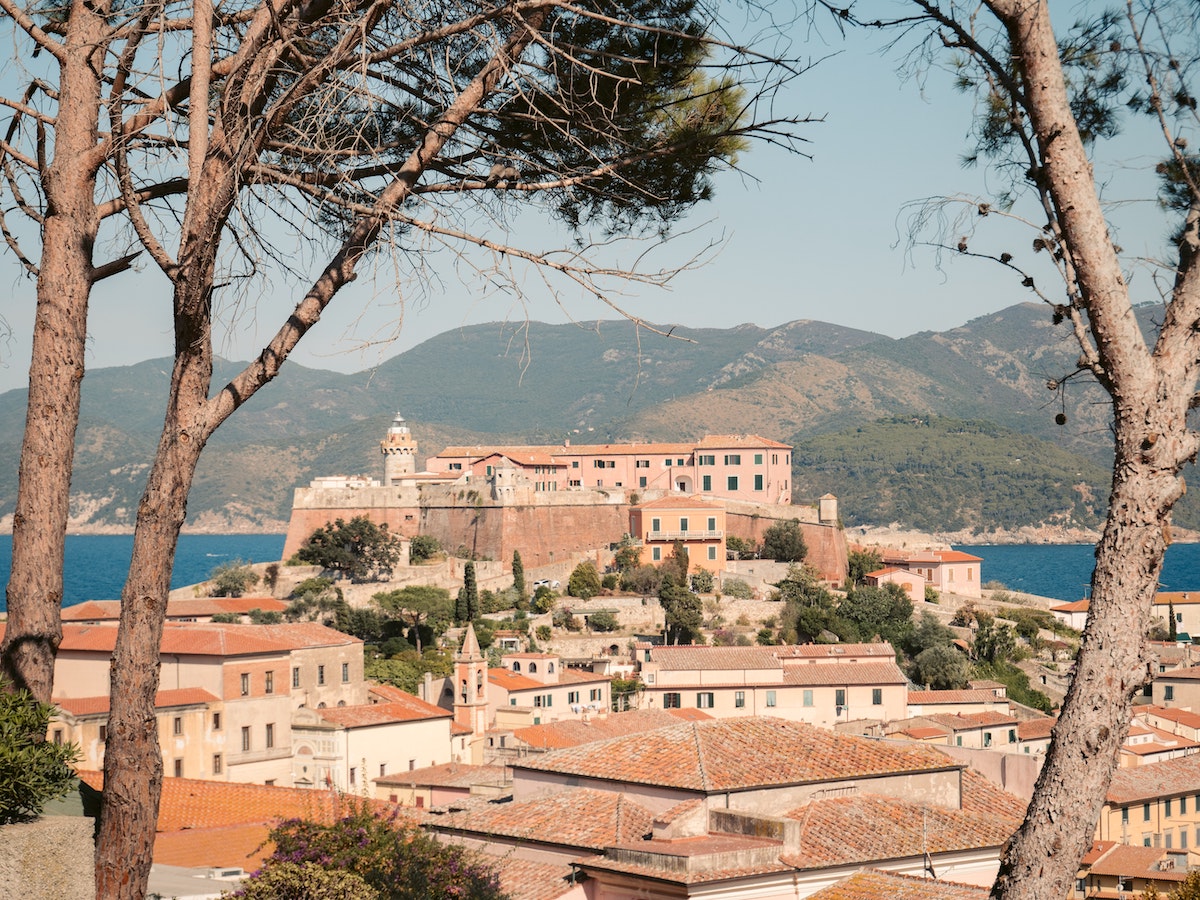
column 698, row 526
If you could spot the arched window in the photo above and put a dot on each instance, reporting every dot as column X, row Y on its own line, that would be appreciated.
column 532, row 667
column 551, row 669
column 516, row 665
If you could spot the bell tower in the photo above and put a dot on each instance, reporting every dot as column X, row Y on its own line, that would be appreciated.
column 399, row 451
column 470, row 686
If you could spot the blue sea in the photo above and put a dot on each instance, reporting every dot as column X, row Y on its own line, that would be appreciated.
column 96, row 565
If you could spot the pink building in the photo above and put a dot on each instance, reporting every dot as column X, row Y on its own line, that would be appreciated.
column 946, row 571
column 729, row 467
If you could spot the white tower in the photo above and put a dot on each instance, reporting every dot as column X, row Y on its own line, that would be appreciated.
column 399, row 452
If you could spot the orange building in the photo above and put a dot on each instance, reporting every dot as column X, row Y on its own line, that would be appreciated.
column 697, row 524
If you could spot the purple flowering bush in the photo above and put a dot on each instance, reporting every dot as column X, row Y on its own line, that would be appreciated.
column 396, row 860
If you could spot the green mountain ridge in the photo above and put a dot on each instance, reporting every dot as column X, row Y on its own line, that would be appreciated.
column 913, row 431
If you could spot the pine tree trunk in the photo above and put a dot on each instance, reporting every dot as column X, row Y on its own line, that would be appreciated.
column 35, row 586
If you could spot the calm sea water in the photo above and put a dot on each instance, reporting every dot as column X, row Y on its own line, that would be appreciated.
column 1064, row 571
column 96, row 565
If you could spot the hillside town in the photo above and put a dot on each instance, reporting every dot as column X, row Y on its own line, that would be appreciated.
column 767, row 718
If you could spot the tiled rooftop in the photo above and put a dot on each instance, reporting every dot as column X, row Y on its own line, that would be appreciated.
column 523, row 879
column 1180, row 716
column 714, row 658
column 875, row 885
column 210, row 639
column 366, row 715
column 459, row 775
column 1035, row 729
column 881, row 672
column 985, row 798
column 673, row 501
column 86, row 706
column 1166, row 778
column 1133, row 861
column 965, row 721
column 1191, row 673
column 870, row 828
column 926, row 698
column 100, row 610
column 581, row 818
column 833, row 651
column 737, row 754
column 573, row 732
column 1073, row 607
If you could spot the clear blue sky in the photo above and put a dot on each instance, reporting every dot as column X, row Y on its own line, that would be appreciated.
column 818, row 238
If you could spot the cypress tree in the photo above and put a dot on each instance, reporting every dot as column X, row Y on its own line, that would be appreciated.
column 471, row 592
column 518, row 572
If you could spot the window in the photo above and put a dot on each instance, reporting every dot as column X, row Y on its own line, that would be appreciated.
column 656, row 524
column 1169, row 839
column 489, row 471
column 733, row 459
column 103, row 733
column 671, row 700
column 382, row 769
column 704, row 700
column 731, row 483
column 706, row 483
column 177, row 725
column 683, row 523
column 532, row 667
column 1124, row 815
column 320, row 674
column 808, row 697
column 877, row 696
column 642, row 481
column 270, row 735
column 758, row 459
column 1167, row 808
column 712, row 552
column 1183, row 806
column 295, row 676
column 353, row 775
column 667, row 463
column 1169, row 692
column 641, row 464
column 596, row 694
column 270, row 685
column 958, row 740
column 987, row 739
column 572, row 696
column 216, row 764
column 704, row 460
column 656, row 553
column 839, row 698
column 1012, row 735
column 1145, row 812
column 739, row 699
column 770, row 698
column 245, row 684
column 345, row 673
column 758, row 482
column 216, row 721
column 1179, row 618
column 179, row 770
column 245, row 738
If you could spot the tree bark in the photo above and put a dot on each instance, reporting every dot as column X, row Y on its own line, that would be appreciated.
column 1150, row 393
column 35, row 586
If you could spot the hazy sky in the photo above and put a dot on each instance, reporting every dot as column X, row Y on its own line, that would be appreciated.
column 819, row 238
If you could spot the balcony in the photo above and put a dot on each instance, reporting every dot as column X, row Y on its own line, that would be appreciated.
column 658, row 536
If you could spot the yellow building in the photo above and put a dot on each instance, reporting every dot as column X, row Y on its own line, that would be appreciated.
column 697, row 524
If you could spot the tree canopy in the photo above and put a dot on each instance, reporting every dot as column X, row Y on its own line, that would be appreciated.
column 358, row 549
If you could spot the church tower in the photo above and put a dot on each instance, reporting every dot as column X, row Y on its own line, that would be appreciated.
column 399, row 452
column 470, row 687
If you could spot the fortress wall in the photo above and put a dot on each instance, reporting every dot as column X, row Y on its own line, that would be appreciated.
column 826, row 543
column 313, row 508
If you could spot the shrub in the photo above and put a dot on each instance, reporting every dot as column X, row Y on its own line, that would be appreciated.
column 563, row 618
column 232, row 579
column 584, row 581
column 611, row 581
column 784, row 542
column 33, row 770
column 226, row 618
column 423, row 547
column 603, row 620
column 644, row 579
column 931, row 594
column 543, row 600
column 702, row 581
column 543, row 633
column 736, row 588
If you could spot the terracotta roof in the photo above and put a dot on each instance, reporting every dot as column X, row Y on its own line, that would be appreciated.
column 1191, row 673
column 1181, row 716
column 460, row 775
column 211, row 639
column 524, row 879
column 387, row 692
column 674, row 501
column 985, row 798
column 714, row 658
column 87, row 706
column 1076, row 606
column 370, row 714
column 737, row 754
column 718, row 441
column 573, row 732
column 924, row 732
column 514, row 681
column 882, row 672
column 1035, row 729
column 1133, row 861
column 964, row 721
column 581, row 818
column 671, row 859
column 1158, row 779
column 953, row 556
column 888, row 570
column 833, row 651
column 870, row 828
column 925, row 698
column 100, row 610
column 874, row 884
column 1178, row 598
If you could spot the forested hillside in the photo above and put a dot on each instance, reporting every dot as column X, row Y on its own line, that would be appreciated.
column 938, row 431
